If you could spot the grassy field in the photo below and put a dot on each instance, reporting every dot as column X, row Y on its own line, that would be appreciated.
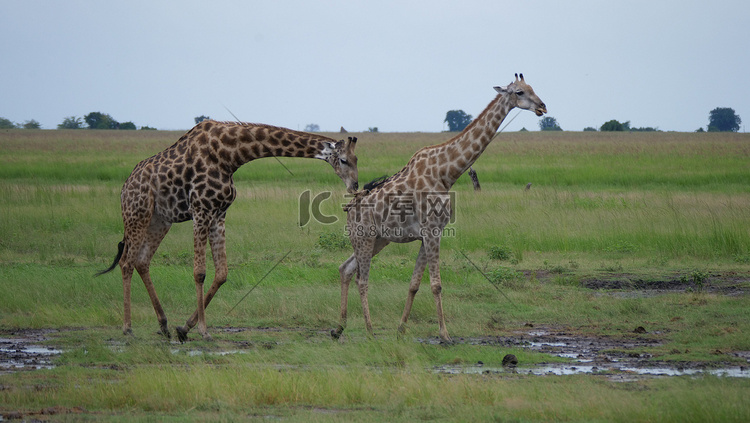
column 625, row 207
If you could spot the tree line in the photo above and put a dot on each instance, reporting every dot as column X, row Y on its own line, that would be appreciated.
column 720, row 119
column 93, row 120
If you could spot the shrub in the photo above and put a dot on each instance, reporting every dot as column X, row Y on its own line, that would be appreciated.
column 504, row 275
column 333, row 241
column 500, row 252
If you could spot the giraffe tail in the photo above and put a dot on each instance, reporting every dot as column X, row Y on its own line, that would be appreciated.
column 120, row 248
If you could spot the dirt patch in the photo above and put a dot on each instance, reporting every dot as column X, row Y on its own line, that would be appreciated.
column 42, row 414
column 728, row 283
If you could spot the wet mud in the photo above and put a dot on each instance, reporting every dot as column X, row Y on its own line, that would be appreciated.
column 726, row 283
column 618, row 358
column 623, row 357
column 24, row 350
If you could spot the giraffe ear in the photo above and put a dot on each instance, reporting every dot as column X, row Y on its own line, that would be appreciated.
column 351, row 143
column 502, row 90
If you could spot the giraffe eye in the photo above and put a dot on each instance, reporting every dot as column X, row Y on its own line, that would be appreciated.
column 519, row 92
column 344, row 162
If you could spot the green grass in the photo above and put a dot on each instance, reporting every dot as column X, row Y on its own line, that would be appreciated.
column 653, row 206
column 201, row 390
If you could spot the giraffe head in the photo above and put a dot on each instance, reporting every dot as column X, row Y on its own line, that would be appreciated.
column 523, row 96
column 343, row 160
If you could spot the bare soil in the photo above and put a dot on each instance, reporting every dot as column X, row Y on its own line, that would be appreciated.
column 726, row 283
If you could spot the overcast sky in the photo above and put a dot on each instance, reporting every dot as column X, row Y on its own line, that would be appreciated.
column 396, row 65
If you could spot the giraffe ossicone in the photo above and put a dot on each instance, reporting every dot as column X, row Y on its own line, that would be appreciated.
column 192, row 180
column 376, row 217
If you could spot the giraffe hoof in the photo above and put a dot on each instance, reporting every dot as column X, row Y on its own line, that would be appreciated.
column 164, row 331
column 182, row 333
column 336, row 333
column 127, row 332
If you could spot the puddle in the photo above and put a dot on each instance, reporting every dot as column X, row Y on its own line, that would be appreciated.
column 24, row 353
column 620, row 359
column 614, row 370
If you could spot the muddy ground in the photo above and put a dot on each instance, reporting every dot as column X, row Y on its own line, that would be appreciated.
column 619, row 358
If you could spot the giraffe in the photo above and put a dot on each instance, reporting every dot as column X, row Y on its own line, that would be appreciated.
column 415, row 204
column 192, row 180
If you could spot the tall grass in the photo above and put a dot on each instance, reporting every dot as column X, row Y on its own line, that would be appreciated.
column 706, row 225
column 681, row 196
column 361, row 394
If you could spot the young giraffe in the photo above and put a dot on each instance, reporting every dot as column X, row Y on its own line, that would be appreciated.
column 414, row 204
column 192, row 180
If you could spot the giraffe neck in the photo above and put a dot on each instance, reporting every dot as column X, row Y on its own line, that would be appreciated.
column 465, row 148
column 230, row 144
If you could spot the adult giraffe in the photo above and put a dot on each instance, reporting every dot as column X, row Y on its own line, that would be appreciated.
column 414, row 204
column 192, row 180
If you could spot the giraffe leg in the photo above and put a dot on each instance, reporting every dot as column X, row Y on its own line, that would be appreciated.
column 154, row 235
column 126, row 266
column 200, row 237
column 346, row 271
column 136, row 218
column 432, row 250
column 217, row 240
column 363, row 274
column 416, row 279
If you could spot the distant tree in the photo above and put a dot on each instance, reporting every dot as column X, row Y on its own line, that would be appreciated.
column 6, row 124
column 700, row 130
column 612, row 125
column 589, row 129
column 147, row 128
column 723, row 119
column 127, row 125
column 312, row 127
column 201, row 118
column 523, row 129
column 372, row 129
column 98, row 120
column 71, row 122
column 457, row 120
column 31, row 124
column 549, row 123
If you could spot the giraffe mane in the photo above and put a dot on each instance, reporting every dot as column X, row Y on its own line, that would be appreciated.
column 271, row 128
column 380, row 180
